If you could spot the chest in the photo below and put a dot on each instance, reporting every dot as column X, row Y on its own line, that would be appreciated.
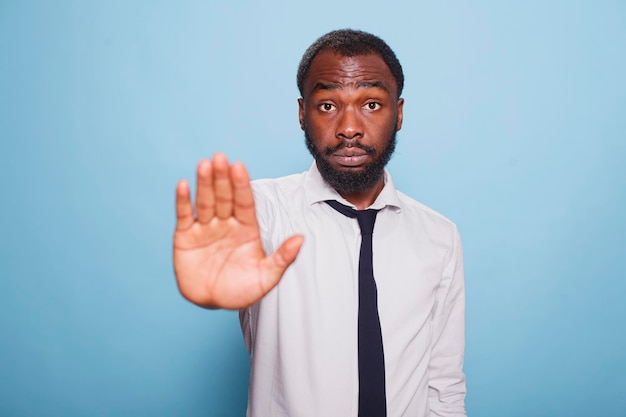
column 407, row 262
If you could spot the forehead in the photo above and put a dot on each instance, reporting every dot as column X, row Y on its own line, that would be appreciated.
column 329, row 67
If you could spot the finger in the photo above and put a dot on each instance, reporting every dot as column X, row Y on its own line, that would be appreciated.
column 280, row 260
column 184, row 210
column 243, row 199
column 222, row 187
column 205, row 198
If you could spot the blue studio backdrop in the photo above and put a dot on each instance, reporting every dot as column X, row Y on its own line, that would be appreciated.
column 514, row 128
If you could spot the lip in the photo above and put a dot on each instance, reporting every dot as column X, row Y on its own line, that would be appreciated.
column 350, row 157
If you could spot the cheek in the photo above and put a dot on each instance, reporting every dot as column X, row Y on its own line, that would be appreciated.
column 381, row 125
column 316, row 117
column 320, row 127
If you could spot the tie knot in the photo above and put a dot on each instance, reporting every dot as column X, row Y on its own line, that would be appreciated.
column 366, row 218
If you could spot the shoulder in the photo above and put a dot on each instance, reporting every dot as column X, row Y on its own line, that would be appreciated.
column 415, row 206
column 277, row 188
column 278, row 201
column 278, row 197
column 430, row 220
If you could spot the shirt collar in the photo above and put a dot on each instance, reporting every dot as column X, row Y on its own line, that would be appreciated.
column 317, row 190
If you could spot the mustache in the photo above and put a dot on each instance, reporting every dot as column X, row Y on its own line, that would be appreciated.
column 349, row 144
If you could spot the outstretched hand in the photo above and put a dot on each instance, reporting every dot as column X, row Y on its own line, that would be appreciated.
column 219, row 260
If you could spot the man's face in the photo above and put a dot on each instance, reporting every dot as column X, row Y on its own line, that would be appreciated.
column 350, row 114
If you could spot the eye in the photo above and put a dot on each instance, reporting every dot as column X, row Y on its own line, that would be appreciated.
column 372, row 105
column 327, row 107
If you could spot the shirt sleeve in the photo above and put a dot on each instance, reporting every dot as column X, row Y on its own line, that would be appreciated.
column 263, row 209
column 446, row 386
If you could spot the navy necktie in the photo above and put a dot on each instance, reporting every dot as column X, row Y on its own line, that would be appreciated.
column 372, row 401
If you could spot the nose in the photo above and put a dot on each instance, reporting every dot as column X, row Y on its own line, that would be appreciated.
column 349, row 124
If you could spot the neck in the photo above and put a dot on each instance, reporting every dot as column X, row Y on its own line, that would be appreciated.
column 364, row 199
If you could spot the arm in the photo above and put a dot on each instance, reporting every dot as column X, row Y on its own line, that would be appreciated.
column 219, row 261
column 446, row 391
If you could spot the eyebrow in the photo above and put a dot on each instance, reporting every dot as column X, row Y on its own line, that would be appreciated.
column 360, row 84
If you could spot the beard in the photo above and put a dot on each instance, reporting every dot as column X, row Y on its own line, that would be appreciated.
column 351, row 181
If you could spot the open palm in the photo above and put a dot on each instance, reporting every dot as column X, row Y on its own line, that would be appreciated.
column 219, row 260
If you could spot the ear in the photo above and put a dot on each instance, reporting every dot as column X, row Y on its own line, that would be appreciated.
column 301, row 112
column 400, row 107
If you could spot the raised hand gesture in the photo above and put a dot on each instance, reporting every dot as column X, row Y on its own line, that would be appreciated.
column 218, row 257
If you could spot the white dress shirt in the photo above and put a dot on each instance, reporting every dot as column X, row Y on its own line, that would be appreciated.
column 302, row 336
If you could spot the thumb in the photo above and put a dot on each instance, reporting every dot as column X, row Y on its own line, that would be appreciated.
column 279, row 261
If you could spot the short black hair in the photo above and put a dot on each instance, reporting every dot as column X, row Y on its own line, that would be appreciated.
column 349, row 42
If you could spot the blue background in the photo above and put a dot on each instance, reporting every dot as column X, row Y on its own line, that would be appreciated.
column 515, row 122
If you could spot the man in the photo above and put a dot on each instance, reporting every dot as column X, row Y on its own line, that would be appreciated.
column 286, row 255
